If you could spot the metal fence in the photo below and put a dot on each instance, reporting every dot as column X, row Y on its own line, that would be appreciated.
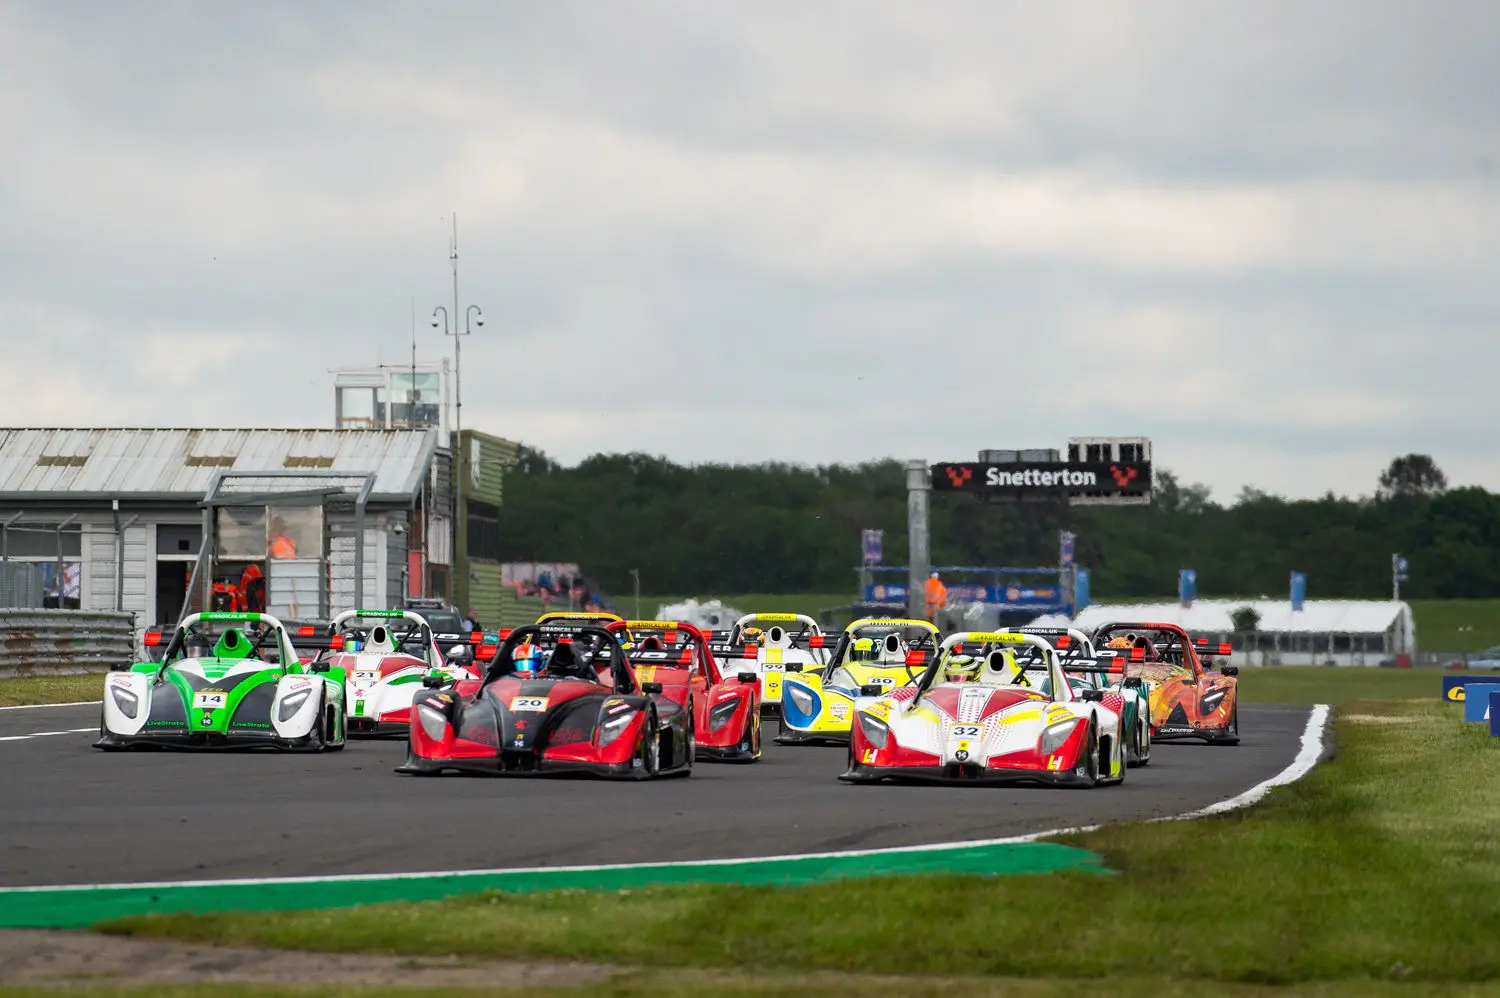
column 39, row 642
column 21, row 584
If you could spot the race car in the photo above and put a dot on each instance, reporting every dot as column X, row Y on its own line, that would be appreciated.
column 1188, row 700
column 227, row 680
column 994, row 708
column 557, row 698
column 1127, row 695
column 873, row 655
column 725, row 711
column 778, row 643
column 384, row 656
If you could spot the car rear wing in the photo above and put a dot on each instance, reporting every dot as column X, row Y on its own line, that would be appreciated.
column 724, row 649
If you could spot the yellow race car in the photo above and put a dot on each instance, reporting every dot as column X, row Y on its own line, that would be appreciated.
column 873, row 656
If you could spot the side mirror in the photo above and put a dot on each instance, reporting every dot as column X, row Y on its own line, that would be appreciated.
column 433, row 682
column 1230, row 670
column 319, row 667
column 871, row 690
column 119, row 667
column 747, row 677
column 793, row 667
column 1093, row 695
column 651, row 687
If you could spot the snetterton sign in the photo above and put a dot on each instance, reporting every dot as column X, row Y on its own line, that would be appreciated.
column 1064, row 478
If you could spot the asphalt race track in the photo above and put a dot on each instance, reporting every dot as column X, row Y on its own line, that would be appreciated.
column 70, row 814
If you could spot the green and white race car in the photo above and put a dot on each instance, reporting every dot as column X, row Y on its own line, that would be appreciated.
column 226, row 680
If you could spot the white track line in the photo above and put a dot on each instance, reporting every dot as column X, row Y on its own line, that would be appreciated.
column 39, row 706
column 1312, row 746
column 44, row 734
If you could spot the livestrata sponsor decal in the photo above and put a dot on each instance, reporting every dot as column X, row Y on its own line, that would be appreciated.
column 1110, row 477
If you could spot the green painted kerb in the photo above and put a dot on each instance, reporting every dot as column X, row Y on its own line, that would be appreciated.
column 71, row 908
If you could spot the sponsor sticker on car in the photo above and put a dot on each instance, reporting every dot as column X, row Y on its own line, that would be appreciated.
column 366, row 677
column 210, row 699
column 528, row 703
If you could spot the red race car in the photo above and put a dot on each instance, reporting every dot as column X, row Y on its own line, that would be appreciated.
column 1188, row 699
column 555, row 699
column 725, row 712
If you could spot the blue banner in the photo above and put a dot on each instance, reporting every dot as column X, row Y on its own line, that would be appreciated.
column 873, row 543
column 1038, row 597
column 1187, row 586
column 1477, row 701
column 1080, row 590
column 1299, row 590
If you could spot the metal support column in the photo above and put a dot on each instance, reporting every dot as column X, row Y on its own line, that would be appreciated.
column 918, row 524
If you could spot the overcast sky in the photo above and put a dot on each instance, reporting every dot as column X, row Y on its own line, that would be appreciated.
column 1267, row 235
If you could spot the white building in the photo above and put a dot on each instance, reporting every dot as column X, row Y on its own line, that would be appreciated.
column 1344, row 632
column 123, row 512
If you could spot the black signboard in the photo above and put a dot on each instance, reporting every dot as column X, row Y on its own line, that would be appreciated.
column 1043, row 478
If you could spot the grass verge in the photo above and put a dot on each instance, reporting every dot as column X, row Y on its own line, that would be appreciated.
column 30, row 690
column 1338, row 684
column 1381, row 866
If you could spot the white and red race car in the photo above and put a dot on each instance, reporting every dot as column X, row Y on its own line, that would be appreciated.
column 386, row 657
column 996, row 707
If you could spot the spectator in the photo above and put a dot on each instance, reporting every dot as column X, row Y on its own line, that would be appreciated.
column 471, row 622
column 282, row 544
column 544, row 579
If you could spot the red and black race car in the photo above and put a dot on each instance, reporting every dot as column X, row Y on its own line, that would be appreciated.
column 725, row 711
column 1188, row 699
column 555, row 699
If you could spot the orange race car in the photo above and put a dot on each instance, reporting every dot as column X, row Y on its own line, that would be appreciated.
column 1189, row 699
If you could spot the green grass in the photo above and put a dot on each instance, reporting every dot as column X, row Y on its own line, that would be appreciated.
column 51, row 689
column 1382, row 865
column 1338, row 684
column 770, row 984
column 1438, row 622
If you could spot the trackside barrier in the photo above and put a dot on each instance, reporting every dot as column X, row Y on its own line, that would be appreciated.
column 1495, row 713
column 41, row 642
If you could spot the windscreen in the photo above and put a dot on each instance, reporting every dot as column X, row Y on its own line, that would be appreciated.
column 227, row 640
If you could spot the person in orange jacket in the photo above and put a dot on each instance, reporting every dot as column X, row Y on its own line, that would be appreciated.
column 937, row 595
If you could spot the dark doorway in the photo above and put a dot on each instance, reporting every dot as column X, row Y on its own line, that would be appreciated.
column 171, row 590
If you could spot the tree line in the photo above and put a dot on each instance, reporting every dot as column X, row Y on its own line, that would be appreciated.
column 781, row 528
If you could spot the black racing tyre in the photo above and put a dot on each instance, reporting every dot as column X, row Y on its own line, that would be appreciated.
column 332, row 741
column 1087, row 770
column 648, row 752
column 1231, row 735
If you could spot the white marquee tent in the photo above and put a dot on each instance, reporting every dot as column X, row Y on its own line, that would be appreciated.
column 1345, row 632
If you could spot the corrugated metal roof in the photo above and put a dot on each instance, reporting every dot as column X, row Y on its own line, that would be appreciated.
column 1332, row 616
column 120, row 462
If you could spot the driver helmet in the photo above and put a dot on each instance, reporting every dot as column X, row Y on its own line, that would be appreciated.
column 528, row 658
column 960, row 669
column 750, row 634
column 864, row 650
column 1123, row 641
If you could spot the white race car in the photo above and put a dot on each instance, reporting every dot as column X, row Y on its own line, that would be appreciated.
column 995, row 707
column 774, row 641
column 386, row 657
column 1129, row 696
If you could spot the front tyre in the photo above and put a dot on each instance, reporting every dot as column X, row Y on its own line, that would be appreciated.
column 1231, row 735
column 648, row 750
column 1086, row 773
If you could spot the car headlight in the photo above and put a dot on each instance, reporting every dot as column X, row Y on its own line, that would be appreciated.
column 801, row 699
column 434, row 722
column 612, row 727
column 876, row 732
column 721, row 713
column 291, row 704
column 127, row 701
column 1055, row 734
column 1213, row 698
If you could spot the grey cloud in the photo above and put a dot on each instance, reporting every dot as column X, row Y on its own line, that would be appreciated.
column 1264, row 234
